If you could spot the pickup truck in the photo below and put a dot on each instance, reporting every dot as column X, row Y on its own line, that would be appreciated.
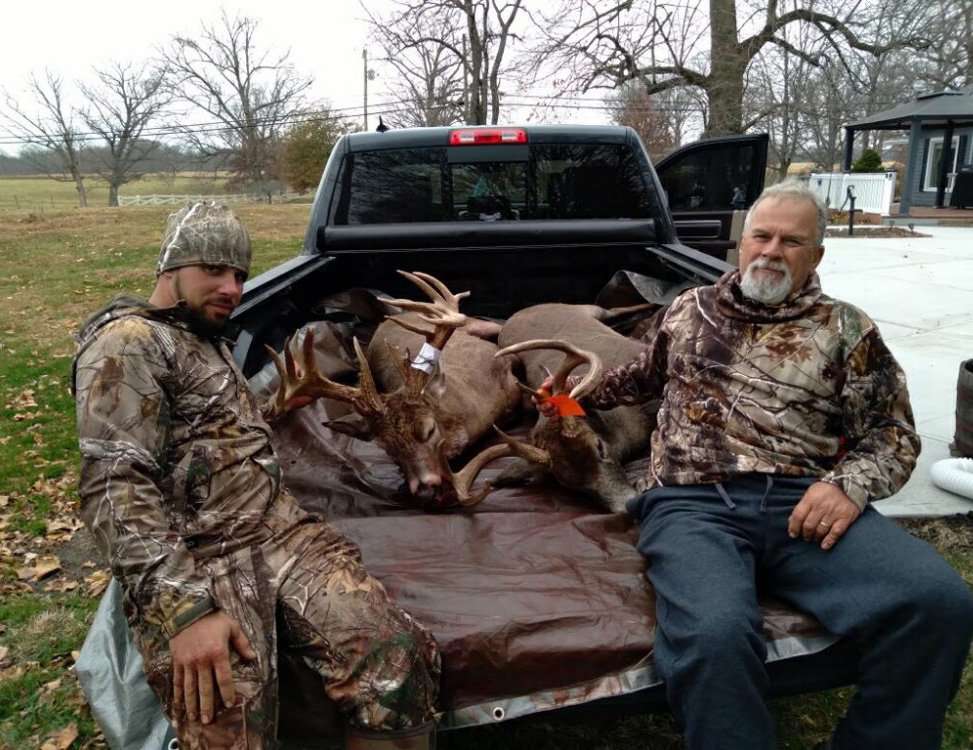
column 537, row 597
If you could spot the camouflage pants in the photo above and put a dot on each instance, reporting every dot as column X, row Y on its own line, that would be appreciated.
column 307, row 591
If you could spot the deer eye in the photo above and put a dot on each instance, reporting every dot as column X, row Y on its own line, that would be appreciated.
column 424, row 430
column 602, row 449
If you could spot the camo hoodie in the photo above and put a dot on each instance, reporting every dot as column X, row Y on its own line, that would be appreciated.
column 806, row 388
column 176, row 461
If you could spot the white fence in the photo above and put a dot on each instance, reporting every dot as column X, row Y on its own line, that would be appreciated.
column 873, row 191
column 170, row 200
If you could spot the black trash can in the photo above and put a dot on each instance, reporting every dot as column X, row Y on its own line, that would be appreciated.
column 963, row 441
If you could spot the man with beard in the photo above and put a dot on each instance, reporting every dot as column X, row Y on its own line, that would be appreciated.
column 783, row 416
column 183, row 491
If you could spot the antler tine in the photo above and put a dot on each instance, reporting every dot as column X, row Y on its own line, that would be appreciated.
column 464, row 478
column 574, row 358
column 524, row 450
column 368, row 391
column 308, row 382
column 432, row 286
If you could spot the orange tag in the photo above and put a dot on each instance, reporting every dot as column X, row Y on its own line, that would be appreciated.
column 566, row 406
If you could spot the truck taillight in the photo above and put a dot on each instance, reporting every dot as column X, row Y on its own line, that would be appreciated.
column 483, row 136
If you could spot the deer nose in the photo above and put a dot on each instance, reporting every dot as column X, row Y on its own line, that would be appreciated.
column 425, row 485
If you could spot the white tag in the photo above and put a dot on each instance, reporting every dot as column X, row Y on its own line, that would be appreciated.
column 427, row 358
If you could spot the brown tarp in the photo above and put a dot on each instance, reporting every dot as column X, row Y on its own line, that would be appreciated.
column 536, row 596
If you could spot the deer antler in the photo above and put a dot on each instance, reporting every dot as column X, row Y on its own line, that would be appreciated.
column 574, row 358
column 442, row 313
column 463, row 480
column 302, row 380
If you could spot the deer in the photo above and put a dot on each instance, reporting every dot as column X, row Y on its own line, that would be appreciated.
column 421, row 410
column 581, row 450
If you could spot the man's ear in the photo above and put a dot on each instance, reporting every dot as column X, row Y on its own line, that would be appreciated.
column 819, row 254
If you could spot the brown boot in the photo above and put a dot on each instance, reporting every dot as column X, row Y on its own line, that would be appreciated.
column 418, row 738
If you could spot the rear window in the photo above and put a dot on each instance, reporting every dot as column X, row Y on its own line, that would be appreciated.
column 542, row 181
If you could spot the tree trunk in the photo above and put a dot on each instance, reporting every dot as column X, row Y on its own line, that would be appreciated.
column 79, row 186
column 113, row 194
column 724, row 87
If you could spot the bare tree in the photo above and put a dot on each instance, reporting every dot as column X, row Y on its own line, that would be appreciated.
column 49, row 127
column 249, row 94
column 631, row 106
column 611, row 43
column 127, row 100
column 949, row 63
column 428, row 83
column 487, row 30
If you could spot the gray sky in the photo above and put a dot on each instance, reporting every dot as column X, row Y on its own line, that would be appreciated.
column 325, row 38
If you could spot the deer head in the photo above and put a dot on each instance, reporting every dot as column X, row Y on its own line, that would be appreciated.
column 408, row 423
column 571, row 446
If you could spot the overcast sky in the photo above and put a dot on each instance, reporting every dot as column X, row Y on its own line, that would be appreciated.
column 325, row 38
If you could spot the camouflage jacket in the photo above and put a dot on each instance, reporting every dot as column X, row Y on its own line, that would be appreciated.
column 807, row 388
column 176, row 460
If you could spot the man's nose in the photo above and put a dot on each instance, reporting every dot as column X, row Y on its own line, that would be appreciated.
column 230, row 285
column 772, row 248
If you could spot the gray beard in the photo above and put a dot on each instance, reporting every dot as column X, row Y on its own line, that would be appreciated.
column 766, row 290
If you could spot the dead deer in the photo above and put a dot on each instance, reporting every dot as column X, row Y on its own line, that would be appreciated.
column 421, row 415
column 582, row 451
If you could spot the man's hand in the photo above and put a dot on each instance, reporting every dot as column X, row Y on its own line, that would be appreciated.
column 541, row 395
column 824, row 514
column 200, row 655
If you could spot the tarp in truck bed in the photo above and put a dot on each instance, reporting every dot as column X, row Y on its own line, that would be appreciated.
column 538, row 598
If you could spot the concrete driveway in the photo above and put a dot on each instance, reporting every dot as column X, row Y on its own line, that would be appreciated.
column 920, row 292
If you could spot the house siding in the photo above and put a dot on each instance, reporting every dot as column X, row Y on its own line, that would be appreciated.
column 962, row 137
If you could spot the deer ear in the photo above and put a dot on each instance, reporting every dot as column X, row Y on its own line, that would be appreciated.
column 351, row 424
column 435, row 388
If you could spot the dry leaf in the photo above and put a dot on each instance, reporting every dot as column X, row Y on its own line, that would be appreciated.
column 97, row 582
column 63, row 739
column 4, row 499
column 50, row 687
column 5, row 660
column 75, row 655
column 44, row 567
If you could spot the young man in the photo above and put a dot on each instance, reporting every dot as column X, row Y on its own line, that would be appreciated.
column 783, row 415
column 182, row 489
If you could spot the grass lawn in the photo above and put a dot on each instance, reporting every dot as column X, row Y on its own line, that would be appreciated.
column 57, row 267
column 42, row 194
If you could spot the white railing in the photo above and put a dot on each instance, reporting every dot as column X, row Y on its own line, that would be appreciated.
column 169, row 200
column 873, row 191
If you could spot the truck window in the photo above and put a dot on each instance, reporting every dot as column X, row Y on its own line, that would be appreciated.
column 558, row 181
column 393, row 186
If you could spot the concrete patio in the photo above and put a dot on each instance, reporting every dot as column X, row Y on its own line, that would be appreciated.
column 920, row 292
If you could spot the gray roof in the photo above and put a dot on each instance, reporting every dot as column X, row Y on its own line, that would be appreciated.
column 929, row 109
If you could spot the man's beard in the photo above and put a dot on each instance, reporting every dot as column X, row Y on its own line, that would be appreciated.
column 768, row 289
column 202, row 325
column 197, row 320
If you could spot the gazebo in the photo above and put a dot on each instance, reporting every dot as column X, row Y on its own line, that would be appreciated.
column 934, row 121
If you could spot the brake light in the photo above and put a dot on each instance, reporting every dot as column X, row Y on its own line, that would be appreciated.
column 483, row 136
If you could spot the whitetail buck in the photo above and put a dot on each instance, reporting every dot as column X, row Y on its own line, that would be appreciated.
column 584, row 452
column 420, row 417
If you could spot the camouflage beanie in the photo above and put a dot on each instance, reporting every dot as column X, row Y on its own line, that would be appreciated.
column 204, row 233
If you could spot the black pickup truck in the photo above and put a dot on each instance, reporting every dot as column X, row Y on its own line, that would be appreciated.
column 537, row 598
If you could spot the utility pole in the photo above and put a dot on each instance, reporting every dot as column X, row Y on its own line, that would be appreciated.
column 466, row 87
column 364, row 57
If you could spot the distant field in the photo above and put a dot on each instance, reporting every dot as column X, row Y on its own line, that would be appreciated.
column 42, row 194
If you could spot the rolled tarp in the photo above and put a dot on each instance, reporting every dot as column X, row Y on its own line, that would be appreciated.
column 954, row 475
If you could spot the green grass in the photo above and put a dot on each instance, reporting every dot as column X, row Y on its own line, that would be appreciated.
column 58, row 267
column 45, row 194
